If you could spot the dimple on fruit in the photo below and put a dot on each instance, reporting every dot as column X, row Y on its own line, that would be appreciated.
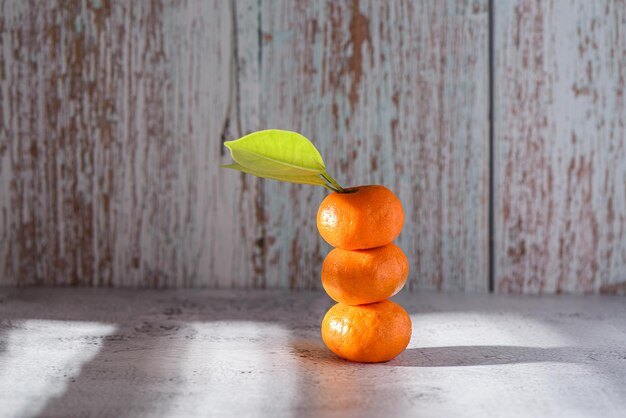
column 365, row 268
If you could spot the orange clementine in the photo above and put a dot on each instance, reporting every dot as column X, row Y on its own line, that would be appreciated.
column 364, row 276
column 366, row 217
column 367, row 333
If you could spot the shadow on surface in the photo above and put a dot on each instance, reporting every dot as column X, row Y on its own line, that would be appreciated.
column 124, row 379
column 456, row 356
column 481, row 355
column 137, row 368
column 133, row 365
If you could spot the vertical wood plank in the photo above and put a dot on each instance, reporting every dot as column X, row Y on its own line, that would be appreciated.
column 113, row 115
column 393, row 93
column 560, row 146
column 248, row 108
column 236, row 227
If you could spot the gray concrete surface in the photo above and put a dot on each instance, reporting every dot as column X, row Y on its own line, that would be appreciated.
column 199, row 353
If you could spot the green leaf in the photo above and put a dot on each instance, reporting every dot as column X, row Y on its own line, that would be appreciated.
column 280, row 155
column 313, row 179
column 276, row 152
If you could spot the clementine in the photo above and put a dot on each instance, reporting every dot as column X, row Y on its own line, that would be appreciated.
column 367, row 333
column 365, row 217
column 364, row 276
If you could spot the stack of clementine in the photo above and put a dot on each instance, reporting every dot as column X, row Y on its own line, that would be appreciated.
column 364, row 270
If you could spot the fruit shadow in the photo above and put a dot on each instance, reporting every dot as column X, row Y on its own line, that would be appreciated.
column 348, row 383
column 331, row 384
column 454, row 356
column 482, row 355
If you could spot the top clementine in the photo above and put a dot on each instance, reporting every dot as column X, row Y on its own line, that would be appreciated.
column 365, row 217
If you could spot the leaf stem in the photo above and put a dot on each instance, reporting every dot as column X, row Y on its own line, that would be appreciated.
column 334, row 183
column 329, row 186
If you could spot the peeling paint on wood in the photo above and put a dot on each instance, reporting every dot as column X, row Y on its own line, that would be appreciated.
column 560, row 146
column 113, row 116
column 393, row 93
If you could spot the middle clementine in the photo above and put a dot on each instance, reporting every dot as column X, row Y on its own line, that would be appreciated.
column 364, row 276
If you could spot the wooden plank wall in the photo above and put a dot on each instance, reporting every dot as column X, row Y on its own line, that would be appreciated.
column 112, row 121
column 560, row 146
column 393, row 93
column 113, row 114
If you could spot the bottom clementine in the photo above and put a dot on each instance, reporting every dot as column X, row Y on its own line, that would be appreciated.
column 367, row 333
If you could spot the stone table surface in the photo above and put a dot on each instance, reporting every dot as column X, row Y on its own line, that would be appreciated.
column 204, row 353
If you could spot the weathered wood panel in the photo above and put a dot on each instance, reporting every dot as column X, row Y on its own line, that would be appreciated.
column 112, row 119
column 560, row 146
column 393, row 93
column 113, row 113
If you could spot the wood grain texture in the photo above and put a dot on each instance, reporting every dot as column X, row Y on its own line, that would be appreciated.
column 392, row 93
column 113, row 116
column 560, row 146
